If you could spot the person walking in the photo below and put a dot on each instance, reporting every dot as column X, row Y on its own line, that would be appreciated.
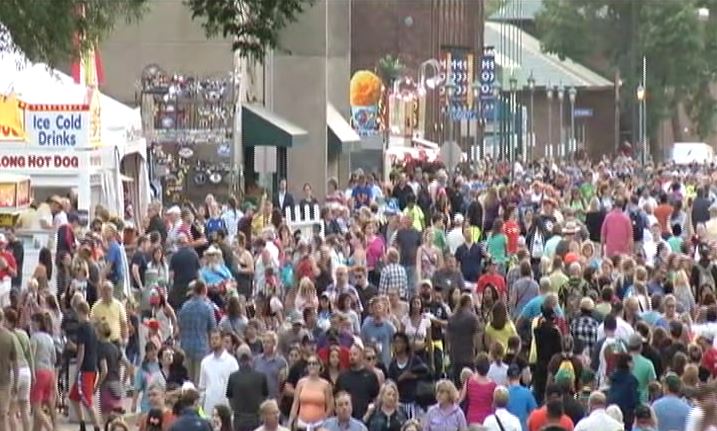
column 215, row 370
column 246, row 390
column 196, row 321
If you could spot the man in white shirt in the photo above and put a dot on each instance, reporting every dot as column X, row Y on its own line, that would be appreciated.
column 455, row 238
column 214, row 373
column 502, row 419
column 598, row 420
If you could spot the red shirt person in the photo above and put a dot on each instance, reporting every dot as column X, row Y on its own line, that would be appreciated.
column 8, row 265
column 616, row 232
column 492, row 277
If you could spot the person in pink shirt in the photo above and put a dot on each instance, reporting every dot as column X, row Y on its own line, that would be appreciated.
column 616, row 232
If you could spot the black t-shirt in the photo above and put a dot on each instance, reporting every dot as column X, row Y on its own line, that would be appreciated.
column 185, row 266
column 140, row 259
column 110, row 353
column 362, row 385
column 297, row 371
column 408, row 241
column 86, row 337
column 441, row 312
column 197, row 233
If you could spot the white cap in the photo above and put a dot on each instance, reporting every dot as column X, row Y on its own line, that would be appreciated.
column 458, row 219
column 174, row 210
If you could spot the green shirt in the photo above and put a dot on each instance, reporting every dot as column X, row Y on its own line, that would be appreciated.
column 496, row 246
column 644, row 372
column 439, row 239
column 22, row 346
column 675, row 243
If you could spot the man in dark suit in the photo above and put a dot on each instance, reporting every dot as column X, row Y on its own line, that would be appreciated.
column 283, row 199
column 246, row 390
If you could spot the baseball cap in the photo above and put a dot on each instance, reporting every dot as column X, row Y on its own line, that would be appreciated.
column 635, row 341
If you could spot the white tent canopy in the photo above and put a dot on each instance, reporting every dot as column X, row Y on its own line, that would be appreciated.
column 121, row 125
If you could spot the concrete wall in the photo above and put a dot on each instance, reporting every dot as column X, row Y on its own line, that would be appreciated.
column 167, row 36
column 312, row 68
column 297, row 91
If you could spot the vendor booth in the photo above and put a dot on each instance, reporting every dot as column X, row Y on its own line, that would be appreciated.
column 71, row 139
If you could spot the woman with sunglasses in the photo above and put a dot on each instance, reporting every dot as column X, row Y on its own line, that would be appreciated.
column 313, row 399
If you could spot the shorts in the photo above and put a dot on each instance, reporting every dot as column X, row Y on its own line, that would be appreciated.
column 43, row 391
column 83, row 389
column 23, row 384
column 110, row 397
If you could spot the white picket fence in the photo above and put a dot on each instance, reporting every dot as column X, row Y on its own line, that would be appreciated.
column 304, row 218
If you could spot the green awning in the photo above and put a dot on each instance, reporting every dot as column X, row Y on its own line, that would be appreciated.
column 261, row 127
column 338, row 131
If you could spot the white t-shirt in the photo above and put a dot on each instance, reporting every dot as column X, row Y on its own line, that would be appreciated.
column 214, row 377
column 416, row 333
column 508, row 420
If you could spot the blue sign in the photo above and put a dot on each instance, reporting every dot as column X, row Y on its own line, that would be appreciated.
column 583, row 112
column 459, row 69
column 487, row 80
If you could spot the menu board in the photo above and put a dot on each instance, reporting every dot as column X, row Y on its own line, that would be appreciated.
column 7, row 195
column 23, row 193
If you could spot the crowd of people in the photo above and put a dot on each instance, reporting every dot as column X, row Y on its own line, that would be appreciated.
column 554, row 296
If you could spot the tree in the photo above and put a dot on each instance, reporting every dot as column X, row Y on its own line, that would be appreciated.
column 253, row 24
column 46, row 30
column 614, row 35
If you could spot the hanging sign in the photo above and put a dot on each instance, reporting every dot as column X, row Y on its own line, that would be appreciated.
column 457, row 65
column 487, row 81
column 58, row 126
column 12, row 126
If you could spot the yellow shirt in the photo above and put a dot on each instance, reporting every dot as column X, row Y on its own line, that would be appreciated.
column 416, row 215
column 113, row 313
column 501, row 336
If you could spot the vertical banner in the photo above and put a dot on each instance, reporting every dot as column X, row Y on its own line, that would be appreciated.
column 364, row 95
column 487, row 80
column 458, row 67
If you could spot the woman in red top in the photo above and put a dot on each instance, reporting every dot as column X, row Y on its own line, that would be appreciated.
column 492, row 277
column 511, row 230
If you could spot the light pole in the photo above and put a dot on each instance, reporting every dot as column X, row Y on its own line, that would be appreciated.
column 496, row 127
column 449, row 86
column 572, row 93
column 561, row 95
column 476, row 95
column 531, row 140
column 640, row 119
column 549, row 95
column 512, row 137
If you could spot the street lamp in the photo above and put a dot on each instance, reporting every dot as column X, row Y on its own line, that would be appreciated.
column 549, row 95
column 449, row 86
column 531, row 140
column 479, row 115
column 572, row 93
column 512, row 137
column 496, row 128
column 561, row 95
column 641, row 116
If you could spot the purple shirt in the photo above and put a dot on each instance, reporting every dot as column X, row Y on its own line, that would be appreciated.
column 438, row 419
column 616, row 233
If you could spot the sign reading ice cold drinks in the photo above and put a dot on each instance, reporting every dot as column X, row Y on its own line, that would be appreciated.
column 57, row 129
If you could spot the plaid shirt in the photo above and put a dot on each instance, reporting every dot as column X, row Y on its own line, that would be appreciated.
column 195, row 320
column 393, row 278
column 585, row 329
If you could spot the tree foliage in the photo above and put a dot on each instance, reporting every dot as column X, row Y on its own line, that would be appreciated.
column 614, row 35
column 46, row 30
column 253, row 24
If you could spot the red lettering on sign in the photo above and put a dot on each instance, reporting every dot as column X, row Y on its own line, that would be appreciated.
column 8, row 132
column 35, row 161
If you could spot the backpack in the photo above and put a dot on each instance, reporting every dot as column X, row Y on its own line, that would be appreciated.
column 638, row 225
column 566, row 370
column 706, row 281
column 570, row 295
column 610, row 353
